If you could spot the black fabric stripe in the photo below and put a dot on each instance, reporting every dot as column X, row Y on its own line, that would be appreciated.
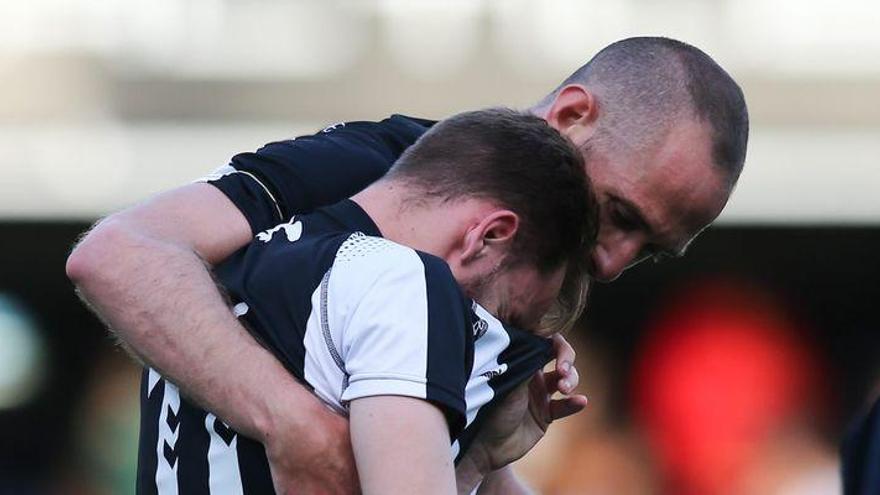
column 254, row 467
column 274, row 196
column 351, row 216
column 149, row 435
column 250, row 199
column 192, row 450
column 450, row 342
column 524, row 355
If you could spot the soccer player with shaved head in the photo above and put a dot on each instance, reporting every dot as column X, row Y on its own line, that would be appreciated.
column 662, row 129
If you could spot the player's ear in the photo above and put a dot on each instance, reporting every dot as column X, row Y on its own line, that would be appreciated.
column 492, row 235
column 573, row 113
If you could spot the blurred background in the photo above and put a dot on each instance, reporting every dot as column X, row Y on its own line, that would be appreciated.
column 732, row 371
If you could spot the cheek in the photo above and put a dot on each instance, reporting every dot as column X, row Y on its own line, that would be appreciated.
column 543, row 294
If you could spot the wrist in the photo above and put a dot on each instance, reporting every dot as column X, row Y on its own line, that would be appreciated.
column 468, row 475
column 478, row 459
column 283, row 413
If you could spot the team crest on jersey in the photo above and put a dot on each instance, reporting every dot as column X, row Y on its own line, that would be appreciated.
column 292, row 229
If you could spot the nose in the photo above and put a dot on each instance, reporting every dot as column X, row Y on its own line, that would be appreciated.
column 614, row 254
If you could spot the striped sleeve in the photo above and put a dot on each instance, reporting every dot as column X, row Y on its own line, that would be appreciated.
column 406, row 330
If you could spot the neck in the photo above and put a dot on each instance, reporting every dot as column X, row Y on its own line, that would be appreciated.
column 434, row 226
column 403, row 217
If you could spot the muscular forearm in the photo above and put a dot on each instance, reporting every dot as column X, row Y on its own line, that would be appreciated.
column 142, row 272
column 161, row 302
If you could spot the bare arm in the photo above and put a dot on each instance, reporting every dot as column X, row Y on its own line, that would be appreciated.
column 143, row 272
column 504, row 481
column 401, row 445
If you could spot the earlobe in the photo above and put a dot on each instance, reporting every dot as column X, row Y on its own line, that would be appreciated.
column 574, row 113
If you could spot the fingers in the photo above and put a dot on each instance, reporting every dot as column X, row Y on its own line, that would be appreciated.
column 564, row 355
column 565, row 384
column 567, row 406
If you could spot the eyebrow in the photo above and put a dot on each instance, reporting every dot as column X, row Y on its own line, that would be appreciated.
column 639, row 218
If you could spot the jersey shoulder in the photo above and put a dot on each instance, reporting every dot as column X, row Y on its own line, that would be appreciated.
column 363, row 260
column 383, row 141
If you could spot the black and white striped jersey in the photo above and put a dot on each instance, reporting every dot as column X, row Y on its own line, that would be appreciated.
column 350, row 315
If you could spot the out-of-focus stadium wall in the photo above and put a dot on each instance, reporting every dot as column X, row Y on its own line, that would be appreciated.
column 104, row 103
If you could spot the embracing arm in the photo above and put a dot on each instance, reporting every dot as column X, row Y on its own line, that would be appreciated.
column 143, row 272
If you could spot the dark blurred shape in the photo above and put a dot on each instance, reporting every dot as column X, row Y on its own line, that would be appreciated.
column 860, row 454
column 722, row 370
column 22, row 355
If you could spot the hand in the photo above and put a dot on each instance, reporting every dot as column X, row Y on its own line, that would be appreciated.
column 313, row 459
column 521, row 420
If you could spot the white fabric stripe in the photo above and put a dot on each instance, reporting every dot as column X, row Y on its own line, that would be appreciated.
column 319, row 368
column 381, row 303
column 224, row 476
column 372, row 387
column 153, row 378
column 166, row 476
column 486, row 351
column 217, row 174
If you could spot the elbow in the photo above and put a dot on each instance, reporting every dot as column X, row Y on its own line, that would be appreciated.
column 80, row 262
column 91, row 257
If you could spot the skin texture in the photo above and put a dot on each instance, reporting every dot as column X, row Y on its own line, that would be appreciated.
column 143, row 272
column 654, row 200
column 421, row 465
column 475, row 237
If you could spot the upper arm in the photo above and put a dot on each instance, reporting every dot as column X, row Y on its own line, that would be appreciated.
column 195, row 216
column 401, row 445
column 406, row 332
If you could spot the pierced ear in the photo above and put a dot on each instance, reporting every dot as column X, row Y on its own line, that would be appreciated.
column 574, row 113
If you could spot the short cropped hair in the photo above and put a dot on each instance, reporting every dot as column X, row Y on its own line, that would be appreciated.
column 520, row 162
column 645, row 84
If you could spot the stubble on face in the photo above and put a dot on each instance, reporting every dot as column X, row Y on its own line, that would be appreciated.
column 654, row 201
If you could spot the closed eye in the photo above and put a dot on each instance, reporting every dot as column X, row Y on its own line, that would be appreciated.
column 624, row 217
